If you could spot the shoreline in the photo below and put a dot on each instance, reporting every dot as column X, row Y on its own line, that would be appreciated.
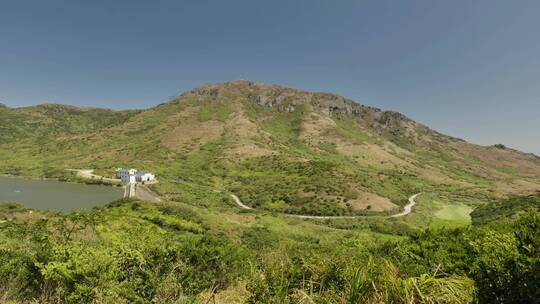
column 54, row 179
column 58, row 195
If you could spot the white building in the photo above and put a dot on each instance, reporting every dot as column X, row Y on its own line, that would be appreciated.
column 132, row 175
column 144, row 176
column 126, row 175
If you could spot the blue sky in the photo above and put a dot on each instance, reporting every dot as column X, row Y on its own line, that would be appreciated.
column 466, row 68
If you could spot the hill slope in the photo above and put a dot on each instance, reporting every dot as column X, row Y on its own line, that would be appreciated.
column 277, row 148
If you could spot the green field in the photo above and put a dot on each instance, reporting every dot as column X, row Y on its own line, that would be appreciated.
column 436, row 210
column 455, row 213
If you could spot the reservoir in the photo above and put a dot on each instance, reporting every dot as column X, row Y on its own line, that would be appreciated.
column 54, row 195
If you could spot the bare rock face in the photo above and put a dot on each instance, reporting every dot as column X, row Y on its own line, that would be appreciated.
column 278, row 97
column 329, row 103
column 286, row 100
column 281, row 98
column 203, row 92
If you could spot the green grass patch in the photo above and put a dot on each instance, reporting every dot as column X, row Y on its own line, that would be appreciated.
column 437, row 210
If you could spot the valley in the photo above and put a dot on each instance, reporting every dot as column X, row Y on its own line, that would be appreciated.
column 278, row 148
column 407, row 210
column 266, row 194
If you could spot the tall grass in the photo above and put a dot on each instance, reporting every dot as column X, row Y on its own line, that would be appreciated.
column 378, row 281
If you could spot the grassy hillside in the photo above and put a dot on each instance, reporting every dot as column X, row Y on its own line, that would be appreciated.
column 279, row 149
column 505, row 210
column 34, row 137
column 55, row 120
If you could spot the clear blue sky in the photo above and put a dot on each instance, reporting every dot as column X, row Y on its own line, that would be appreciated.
column 466, row 68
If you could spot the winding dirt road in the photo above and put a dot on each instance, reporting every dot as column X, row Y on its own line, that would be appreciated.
column 89, row 174
column 406, row 210
column 239, row 202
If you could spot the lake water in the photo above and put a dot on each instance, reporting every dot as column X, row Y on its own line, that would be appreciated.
column 53, row 195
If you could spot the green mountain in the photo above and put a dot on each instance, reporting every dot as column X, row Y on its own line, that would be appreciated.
column 277, row 148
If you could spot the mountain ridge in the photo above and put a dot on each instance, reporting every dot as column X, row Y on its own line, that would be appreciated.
column 351, row 106
column 201, row 88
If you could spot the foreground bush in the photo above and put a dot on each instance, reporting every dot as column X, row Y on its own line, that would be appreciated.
column 132, row 252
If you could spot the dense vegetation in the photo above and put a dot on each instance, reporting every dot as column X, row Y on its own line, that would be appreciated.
column 55, row 120
column 135, row 252
column 505, row 209
column 281, row 151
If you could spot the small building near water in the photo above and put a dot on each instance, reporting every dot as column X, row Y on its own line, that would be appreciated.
column 126, row 175
column 132, row 175
column 143, row 176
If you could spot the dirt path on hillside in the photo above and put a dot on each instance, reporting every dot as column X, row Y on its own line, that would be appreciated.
column 407, row 209
column 239, row 202
column 89, row 174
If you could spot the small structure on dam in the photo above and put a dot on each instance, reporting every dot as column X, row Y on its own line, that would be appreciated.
column 133, row 175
